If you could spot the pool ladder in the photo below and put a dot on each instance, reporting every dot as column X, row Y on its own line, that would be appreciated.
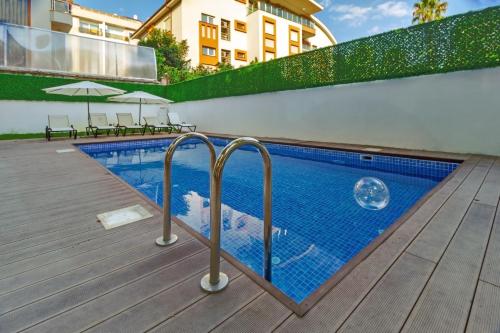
column 216, row 280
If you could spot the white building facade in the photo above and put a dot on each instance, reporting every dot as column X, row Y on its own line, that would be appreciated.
column 237, row 32
column 68, row 17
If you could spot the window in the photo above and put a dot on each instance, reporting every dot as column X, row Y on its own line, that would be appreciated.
column 15, row 12
column 225, row 30
column 269, row 28
column 269, row 38
column 269, row 56
column 225, row 56
column 208, row 51
column 91, row 28
column 269, row 43
column 116, row 33
column 240, row 55
column 207, row 18
column 294, row 40
column 240, row 26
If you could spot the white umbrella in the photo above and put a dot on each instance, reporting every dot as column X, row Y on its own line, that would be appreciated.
column 84, row 88
column 139, row 97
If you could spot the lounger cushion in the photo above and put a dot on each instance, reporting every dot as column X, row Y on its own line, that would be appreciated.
column 134, row 127
column 61, row 129
column 105, row 127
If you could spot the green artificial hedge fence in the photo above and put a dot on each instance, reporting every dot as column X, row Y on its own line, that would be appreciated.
column 467, row 41
column 29, row 88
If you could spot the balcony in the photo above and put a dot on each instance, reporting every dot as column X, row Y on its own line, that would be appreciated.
column 60, row 16
column 25, row 49
column 280, row 12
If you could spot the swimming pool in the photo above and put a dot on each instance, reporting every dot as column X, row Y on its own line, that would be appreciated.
column 318, row 226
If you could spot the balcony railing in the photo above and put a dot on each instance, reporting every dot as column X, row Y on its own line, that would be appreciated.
column 61, row 6
column 117, row 36
column 280, row 12
column 37, row 50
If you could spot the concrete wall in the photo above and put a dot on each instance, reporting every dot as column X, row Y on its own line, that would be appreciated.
column 31, row 117
column 456, row 112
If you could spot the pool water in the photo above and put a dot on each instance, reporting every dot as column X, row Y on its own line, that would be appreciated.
column 317, row 224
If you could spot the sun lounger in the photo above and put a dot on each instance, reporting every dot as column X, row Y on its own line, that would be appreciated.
column 154, row 124
column 176, row 123
column 59, row 124
column 99, row 124
column 126, row 123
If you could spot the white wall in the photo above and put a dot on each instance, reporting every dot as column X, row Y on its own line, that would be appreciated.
column 31, row 117
column 40, row 14
column 456, row 112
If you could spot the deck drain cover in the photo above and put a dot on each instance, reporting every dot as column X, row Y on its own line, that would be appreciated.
column 62, row 151
column 123, row 216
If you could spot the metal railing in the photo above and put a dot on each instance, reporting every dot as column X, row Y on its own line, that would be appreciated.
column 43, row 51
column 61, row 6
column 168, row 238
column 216, row 280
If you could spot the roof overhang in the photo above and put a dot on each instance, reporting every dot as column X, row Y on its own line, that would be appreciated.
column 324, row 28
column 300, row 7
column 153, row 20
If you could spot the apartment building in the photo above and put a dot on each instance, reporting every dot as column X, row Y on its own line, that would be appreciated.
column 238, row 31
column 69, row 17
column 63, row 38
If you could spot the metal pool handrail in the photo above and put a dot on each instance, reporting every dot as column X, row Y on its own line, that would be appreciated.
column 216, row 281
column 168, row 238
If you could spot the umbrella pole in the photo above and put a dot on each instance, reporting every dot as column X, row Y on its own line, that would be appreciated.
column 88, row 108
column 140, row 110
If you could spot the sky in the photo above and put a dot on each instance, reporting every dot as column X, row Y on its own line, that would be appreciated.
column 347, row 19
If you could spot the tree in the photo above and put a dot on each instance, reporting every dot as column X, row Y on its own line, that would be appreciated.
column 428, row 10
column 170, row 54
column 171, row 57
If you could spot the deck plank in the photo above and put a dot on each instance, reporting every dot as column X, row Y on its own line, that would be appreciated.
column 82, row 247
column 445, row 302
column 434, row 239
column 386, row 307
column 28, row 293
column 47, row 308
column 128, row 245
column 491, row 267
column 489, row 193
column 263, row 314
column 123, row 298
column 484, row 316
column 210, row 311
column 161, row 307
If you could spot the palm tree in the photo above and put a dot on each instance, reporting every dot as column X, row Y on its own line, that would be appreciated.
column 428, row 10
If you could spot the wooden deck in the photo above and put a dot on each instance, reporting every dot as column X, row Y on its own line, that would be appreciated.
column 60, row 271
